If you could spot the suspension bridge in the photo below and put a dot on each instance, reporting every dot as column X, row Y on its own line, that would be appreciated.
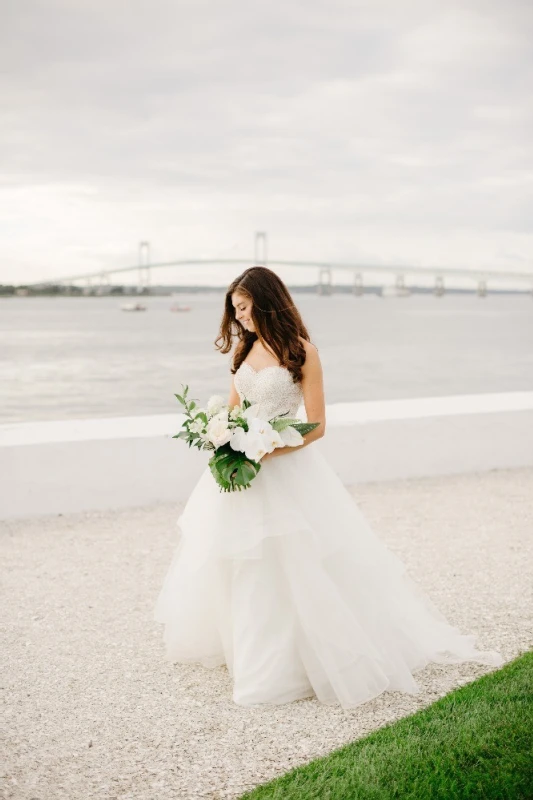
column 144, row 267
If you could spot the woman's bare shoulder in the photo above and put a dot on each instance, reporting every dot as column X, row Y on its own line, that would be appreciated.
column 309, row 347
column 312, row 359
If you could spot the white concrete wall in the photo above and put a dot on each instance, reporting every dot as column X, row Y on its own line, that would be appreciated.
column 74, row 465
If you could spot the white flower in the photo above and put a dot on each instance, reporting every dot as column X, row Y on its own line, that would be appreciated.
column 215, row 404
column 291, row 437
column 197, row 426
column 252, row 412
column 255, row 447
column 218, row 432
column 238, row 440
column 235, row 413
column 249, row 443
column 271, row 438
column 260, row 438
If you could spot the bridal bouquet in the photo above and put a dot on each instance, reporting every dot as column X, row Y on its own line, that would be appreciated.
column 238, row 437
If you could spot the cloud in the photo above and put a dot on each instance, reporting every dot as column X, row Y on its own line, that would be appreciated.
column 348, row 130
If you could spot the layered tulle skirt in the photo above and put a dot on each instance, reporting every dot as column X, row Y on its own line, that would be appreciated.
column 287, row 585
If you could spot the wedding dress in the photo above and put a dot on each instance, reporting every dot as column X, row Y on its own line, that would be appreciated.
column 287, row 584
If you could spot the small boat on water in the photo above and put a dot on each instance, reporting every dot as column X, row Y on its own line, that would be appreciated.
column 179, row 307
column 133, row 307
column 395, row 291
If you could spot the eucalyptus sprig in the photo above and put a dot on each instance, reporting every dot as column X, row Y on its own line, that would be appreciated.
column 192, row 437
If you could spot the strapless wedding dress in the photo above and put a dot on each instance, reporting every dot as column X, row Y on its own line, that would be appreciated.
column 287, row 584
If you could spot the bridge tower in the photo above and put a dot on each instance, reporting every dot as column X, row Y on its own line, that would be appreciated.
column 144, row 267
column 358, row 288
column 260, row 249
column 104, row 283
column 325, row 281
column 88, row 289
column 439, row 286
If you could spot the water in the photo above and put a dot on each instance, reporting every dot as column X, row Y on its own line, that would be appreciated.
column 67, row 358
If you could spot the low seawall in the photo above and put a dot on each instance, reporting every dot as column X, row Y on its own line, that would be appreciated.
column 74, row 465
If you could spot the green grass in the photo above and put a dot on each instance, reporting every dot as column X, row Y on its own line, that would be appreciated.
column 475, row 743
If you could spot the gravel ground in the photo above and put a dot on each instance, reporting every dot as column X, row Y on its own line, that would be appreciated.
column 94, row 711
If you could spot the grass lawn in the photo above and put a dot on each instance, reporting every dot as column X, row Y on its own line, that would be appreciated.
column 475, row 743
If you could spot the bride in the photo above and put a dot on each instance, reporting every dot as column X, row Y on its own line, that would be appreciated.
column 285, row 582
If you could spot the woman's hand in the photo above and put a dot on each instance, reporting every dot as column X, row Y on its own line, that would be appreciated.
column 278, row 451
column 274, row 452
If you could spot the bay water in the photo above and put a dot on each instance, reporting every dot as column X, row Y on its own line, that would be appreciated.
column 83, row 357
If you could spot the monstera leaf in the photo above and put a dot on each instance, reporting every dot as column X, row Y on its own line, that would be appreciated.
column 232, row 470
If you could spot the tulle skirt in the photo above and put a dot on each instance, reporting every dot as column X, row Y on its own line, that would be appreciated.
column 287, row 584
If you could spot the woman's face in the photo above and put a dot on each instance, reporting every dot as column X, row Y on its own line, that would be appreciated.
column 243, row 310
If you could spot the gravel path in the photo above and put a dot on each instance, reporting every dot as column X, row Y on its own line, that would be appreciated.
column 94, row 711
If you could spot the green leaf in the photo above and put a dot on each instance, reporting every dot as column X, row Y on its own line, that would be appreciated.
column 245, row 473
column 305, row 427
column 224, row 485
column 281, row 424
column 226, row 469
column 232, row 470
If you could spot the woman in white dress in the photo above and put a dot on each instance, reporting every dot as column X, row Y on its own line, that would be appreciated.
column 285, row 582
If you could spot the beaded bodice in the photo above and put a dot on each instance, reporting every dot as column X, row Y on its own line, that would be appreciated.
column 272, row 387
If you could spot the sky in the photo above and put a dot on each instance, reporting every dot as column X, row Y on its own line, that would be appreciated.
column 381, row 132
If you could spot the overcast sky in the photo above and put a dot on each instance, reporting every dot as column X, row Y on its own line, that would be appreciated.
column 391, row 131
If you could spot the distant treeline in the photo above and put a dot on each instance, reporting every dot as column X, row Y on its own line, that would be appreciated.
column 48, row 290
column 52, row 290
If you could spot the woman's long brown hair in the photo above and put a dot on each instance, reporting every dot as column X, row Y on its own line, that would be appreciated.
column 276, row 319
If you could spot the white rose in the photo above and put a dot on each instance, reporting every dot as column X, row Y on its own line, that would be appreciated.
column 215, row 404
column 218, row 432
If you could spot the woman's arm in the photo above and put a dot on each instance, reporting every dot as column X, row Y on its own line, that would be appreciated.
column 314, row 401
column 234, row 399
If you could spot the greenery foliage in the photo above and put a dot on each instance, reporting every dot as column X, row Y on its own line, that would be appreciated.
column 476, row 743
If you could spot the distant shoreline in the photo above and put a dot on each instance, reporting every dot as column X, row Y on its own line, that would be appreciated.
column 7, row 291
